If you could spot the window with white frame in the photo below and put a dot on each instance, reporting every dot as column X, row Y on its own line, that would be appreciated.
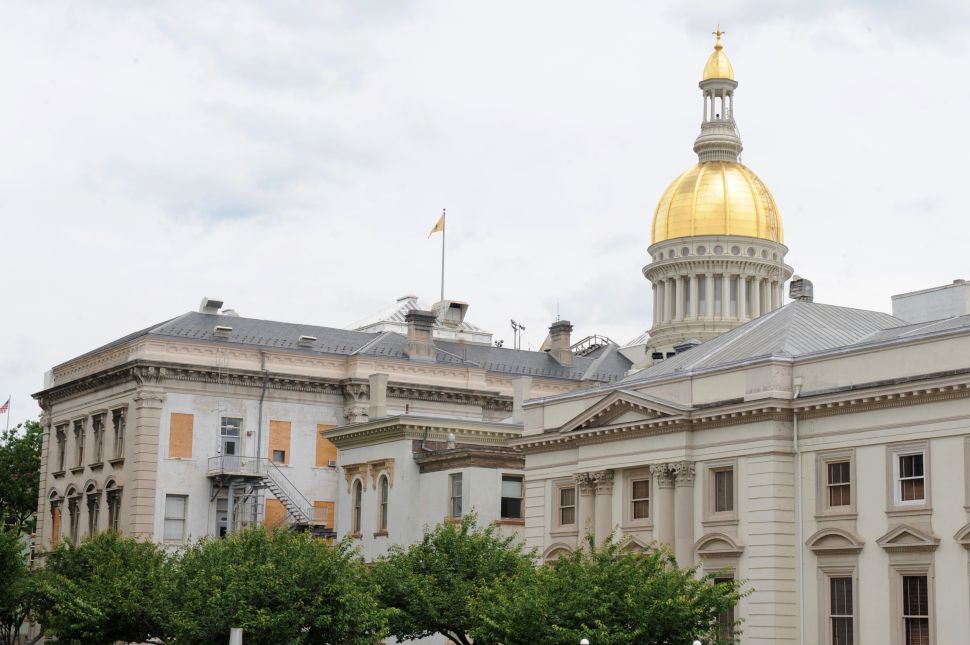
column 383, row 489
column 916, row 610
column 455, row 487
column 566, row 505
column 910, row 477
column 640, row 499
column 357, row 506
column 175, row 508
column 838, row 483
column 841, row 610
column 511, row 503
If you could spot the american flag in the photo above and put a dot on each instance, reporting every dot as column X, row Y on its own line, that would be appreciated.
column 5, row 406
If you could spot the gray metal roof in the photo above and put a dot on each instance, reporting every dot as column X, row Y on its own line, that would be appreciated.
column 285, row 336
column 796, row 329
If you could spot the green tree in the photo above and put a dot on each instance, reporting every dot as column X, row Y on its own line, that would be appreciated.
column 20, row 475
column 14, row 575
column 608, row 594
column 107, row 588
column 279, row 587
column 430, row 585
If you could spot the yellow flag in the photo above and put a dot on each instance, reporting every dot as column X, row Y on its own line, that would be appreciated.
column 439, row 227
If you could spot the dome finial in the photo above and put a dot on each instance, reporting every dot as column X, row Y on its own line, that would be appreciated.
column 717, row 32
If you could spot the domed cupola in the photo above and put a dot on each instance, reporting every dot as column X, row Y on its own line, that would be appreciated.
column 717, row 241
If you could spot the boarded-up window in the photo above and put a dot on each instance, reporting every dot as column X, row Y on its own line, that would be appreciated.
column 279, row 441
column 275, row 514
column 326, row 451
column 55, row 523
column 180, row 436
column 323, row 512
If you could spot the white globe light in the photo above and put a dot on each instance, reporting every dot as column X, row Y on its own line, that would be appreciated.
column 585, row 641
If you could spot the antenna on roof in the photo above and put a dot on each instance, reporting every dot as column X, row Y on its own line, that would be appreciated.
column 557, row 311
column 517, row 329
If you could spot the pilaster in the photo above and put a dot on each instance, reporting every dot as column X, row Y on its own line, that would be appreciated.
column 141, row 448
column 604, row 504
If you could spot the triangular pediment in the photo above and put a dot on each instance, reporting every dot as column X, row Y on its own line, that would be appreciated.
column 834, row 541
column 623, row 407
column 908, row 538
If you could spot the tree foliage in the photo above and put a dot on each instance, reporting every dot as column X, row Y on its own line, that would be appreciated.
column 431, row 585
column 116, row 588
column 280, row 587
column 608, row 594
column 20, row 475
column 14, row 576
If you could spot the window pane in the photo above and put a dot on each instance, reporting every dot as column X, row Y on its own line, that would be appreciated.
column 512, row 507
column 173, row 529
column 567, row 515
column 456, row 485
column 912, row 490
column 839, row 495
column 842, row 631
column 915, row 596
column 511, row 486
column 641, row 489
column 641, row 509
column 723, row 491
column 174, row 506
column 567, row 497
column 839, row 472
column 841, row 592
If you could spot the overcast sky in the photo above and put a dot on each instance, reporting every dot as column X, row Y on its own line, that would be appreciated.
column 291, row 157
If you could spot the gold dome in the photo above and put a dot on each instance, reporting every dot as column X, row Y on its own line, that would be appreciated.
column 718, row 65
column 717, row 198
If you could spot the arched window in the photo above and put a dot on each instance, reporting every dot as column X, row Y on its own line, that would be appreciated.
column 382, row 489
column 55, row 503
column 74, row 513
column 113, row 494
column 357, row 501
column 93, row 497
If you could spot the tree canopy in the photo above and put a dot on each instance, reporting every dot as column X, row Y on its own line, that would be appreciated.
column 20, row 474
column 431, row 585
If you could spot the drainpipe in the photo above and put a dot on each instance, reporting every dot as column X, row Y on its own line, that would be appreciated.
column 259, row 430
column 798, row 520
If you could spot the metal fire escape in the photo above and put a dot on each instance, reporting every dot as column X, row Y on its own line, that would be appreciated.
column 245, row 476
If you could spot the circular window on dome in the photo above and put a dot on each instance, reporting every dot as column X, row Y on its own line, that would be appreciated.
column 764, row 253
column 735, row 250
column 701, row 250
column 750, row 252
column 718, row 250
column 684, row 252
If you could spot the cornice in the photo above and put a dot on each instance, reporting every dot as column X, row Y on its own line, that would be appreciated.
column 422, row 429
column 463, row 458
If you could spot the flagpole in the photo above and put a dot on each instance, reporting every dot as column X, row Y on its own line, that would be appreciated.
column 444, row 228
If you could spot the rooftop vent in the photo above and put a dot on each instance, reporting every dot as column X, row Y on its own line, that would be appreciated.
column 222, row 331
column 801, row 289
column 307, row 341
column 230, row 312
column 690, row 343
column 210, row 306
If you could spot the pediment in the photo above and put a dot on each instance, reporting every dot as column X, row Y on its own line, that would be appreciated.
column 834, row 541
column 623, row 407
column 636, row 544
column 555, row 551
column 963, row 536
column 908, row 538
column 718, row 544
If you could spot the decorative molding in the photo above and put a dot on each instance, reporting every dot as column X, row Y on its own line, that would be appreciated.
column 377, row 466
column 556, row 549
column 905, row 538
column 475, row 457
column 603, row 480
column 963, row 536
column 835, row 541
column 352, row 471
column 713, row 545
column 685, row 472
column 665, row 475
column 585, row 482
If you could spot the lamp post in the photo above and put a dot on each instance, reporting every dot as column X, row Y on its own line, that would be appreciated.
column 585, row 641
column 696, row 642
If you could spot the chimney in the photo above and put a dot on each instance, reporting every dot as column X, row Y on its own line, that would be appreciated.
column 800, row 289
column 559, row 344
column 210, row 306
column 520, row 392
column 420, row 342
column 378, row 397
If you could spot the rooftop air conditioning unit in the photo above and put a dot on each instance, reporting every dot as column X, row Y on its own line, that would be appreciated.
column 307, row 341
column 222, row 331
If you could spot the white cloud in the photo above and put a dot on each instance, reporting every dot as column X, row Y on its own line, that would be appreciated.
column 291, row 157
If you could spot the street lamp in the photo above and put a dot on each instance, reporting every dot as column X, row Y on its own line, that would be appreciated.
column 585, row 641
column 696, row 642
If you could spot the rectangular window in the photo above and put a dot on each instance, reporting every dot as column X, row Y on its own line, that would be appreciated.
column 567, row 505
column 725, row 620
column 118, row 422
column 180, row 436
column 916, row 610
column 640, row 498
column 97, row 428
column 512, row 497
column 279, row 441
column 454, row 508
column 839, row 484
column 79, row 443
column 175, row 506
column 326, row 451
column 94, row 503
column 74, row 513
column 230, row 434
column 910, row 478
column 723, row 490
column 114, row 507
column 840, row 610
column 61, row 445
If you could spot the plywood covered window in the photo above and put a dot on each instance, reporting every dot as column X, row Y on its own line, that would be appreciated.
column 279, row 441
column 180, row 436
column 275, row 514
column 323, row 512
column 326, row 451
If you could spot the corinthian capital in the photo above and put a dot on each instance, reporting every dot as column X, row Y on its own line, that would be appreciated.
column 586, row 483
column 685, row 471
column 665, row 475
column 604, row 481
